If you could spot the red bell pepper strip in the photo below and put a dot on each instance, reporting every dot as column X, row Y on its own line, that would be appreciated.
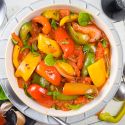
column 17, row 39
column 64, row 40
column 64, row 12
column 49, row 73
column 99, row 51
column 45, row 22
column 40, row 95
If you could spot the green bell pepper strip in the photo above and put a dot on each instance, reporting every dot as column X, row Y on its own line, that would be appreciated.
column 59, row 96
column 89, row 59
column 39, row 80
column 88, row 48
column 49, row 60
column 25, row 29
column 74, row 107
column 79, row 38
column 113, row 119
column 84, row 18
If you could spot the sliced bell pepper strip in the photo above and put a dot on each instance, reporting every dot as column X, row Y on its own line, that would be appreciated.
column 17, row 39
column 51, row 14
column 79, row 38
column 63, row 72
column 67, row 19
column 89, row 59
column 45, row 22
column 64, row 12
column 49, row 73
column 64, row 40
column 48, row 46
column 40, row 95
column 27, row 66
column 99, row 51
column 59, row 96
column 25, row 29
column 65, row 67
column 16, row 52
column 97, row 72
column 74, row 107
column 38, row 80
column 79, row 89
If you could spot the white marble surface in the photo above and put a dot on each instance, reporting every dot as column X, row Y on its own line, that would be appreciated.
column 113, row 106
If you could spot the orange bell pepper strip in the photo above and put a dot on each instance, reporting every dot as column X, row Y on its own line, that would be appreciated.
column 79, row 89
column 45, row 22
column 65, row 41
column 17, row 39
column 49, row 73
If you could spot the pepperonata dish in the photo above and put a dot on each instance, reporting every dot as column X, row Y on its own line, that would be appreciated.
column 61, row 58
column 64, row 60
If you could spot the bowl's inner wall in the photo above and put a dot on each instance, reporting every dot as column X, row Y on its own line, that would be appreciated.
column 32, row 104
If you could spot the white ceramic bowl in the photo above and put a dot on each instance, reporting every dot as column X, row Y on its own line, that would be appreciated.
column 105, row 92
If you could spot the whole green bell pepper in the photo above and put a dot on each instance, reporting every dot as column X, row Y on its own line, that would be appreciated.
column 79, row 38
column 113, row 119
column 89, row 59
column 59, row 96
column 25, row 29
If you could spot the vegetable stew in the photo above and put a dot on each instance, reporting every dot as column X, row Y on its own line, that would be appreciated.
column 61, row 59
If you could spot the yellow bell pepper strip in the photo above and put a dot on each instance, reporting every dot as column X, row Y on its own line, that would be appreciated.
column 97, row 72
column 79, row 38
column 65, row 67
column 45, row 22
column 68, row 19
column 25, row 29
column 51, row 14
column 48, row 46
column 16, row 51
column 27, row 66
column 113, row 119
column 79, row 89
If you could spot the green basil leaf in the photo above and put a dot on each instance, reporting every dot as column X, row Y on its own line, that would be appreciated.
column 25, row 47
column 64, row 42
column 49, row 60
column 53, row 24
column 104, row 43
column 2, row 94
column 34, row 47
